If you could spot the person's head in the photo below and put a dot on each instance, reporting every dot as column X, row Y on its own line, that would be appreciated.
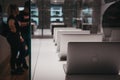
column 27, row 6
column 13, row 10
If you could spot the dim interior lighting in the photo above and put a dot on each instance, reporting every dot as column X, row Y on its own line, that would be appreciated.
column 55, row 1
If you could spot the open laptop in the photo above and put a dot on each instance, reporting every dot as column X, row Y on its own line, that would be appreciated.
column 93, row 58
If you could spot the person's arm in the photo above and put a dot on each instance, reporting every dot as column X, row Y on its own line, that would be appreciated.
column 12, row 25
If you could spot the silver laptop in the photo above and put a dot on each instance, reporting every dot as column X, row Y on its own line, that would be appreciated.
column 93, row 58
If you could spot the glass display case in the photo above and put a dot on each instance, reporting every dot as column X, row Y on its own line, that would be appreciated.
column 34, row 18
column 86, row 15
column 56, row 14
column 34, row 15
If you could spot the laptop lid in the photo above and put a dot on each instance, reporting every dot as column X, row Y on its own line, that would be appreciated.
column 93, row 58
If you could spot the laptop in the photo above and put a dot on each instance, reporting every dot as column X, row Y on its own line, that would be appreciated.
column 93, row 58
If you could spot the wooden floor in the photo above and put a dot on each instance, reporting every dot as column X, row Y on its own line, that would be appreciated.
column 5, row 74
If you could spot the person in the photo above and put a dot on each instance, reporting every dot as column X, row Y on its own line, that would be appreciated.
column 14, row 38
column 23, row 17
column 111, row 16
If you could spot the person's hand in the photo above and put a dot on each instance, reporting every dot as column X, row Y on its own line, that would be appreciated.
column 21, row 39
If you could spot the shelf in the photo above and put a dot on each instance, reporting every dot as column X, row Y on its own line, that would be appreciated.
column 86, row 24
column 56, row 16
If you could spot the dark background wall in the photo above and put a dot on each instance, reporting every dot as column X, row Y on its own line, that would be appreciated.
column 44, row 13
column 5, row 3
